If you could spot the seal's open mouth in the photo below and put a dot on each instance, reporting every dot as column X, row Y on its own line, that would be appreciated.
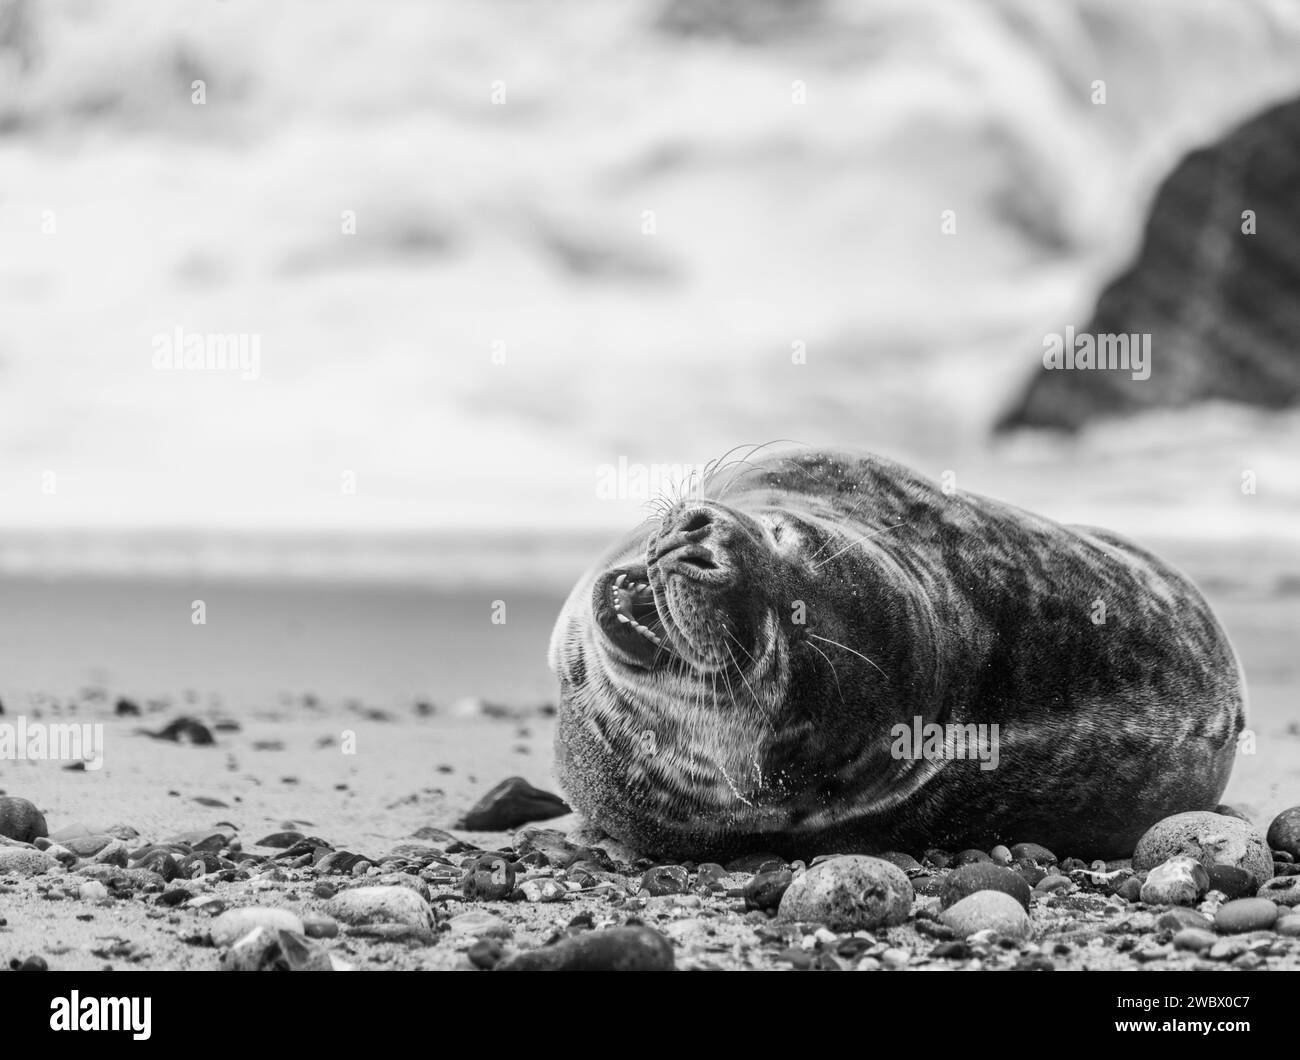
column 625, row 608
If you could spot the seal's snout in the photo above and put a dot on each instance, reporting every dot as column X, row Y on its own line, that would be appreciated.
column 699, row 541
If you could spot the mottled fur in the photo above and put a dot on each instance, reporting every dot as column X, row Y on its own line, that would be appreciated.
column 951, row 607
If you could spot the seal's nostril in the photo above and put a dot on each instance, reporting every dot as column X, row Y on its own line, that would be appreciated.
column 698, row 521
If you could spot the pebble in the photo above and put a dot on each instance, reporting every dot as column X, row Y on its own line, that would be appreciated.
column 1284, row 832
column 936, row 858
column 1227, row 949
column 479, row 924
column 25, row 861
column 983, row 876
column 895, row 958
column 1288, row 925
column 512, row 803
column 905, row 862
column 92, row 891
column 280, row 840
column 665, row 879
column 1248, row 962
column 1283, row 890
column 21, row 820
column 34, row 964
column 1181, row 917
column 1194, row 939
column 766, row 890
column 1029, row 870
column 382, row 905
column 254, row 951
column 618, row 949
column 709, row 876
column 1001, row 855
column 1130, row 889
column 848, row 893
column 987, row 911
column 234, row 924
column 185, row 730
column 543, row 890
column 1245, row 914
column 87, row 846
column 489, row 877
column 315, row 926
column 1054, row 884
column 1211, row 838
column 297, row 953
column 1039, row 855
column 1179, row 881
column 1231, row 881
column 970, row 857
column 485, row 953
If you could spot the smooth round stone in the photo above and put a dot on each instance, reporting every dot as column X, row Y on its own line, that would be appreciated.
column 904, row 861
column 1194, row 939
column 1284, row 832
column 987, row 911
column 1029, row 870
column 24, row 861
column 619, row 949
column 1130, row 889
column 92, row 891
column 1053, row 884
column 1231, row 881
column 983, row 876
column 849, row 893
column 1001, row 855
column 234, row 924
column 87, row 846
column 21, row 820
column 1288, row 925
column 1039, row 855
column 970, row 857
column 1283, row 890
column 1245, row 914
column 382, row 905
column 936, row 858
column 1179, row 881
column 1210, row 838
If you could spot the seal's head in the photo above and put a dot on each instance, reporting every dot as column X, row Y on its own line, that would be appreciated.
column 729, row 669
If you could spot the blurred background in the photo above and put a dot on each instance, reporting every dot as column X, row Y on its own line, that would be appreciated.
column 488, row 251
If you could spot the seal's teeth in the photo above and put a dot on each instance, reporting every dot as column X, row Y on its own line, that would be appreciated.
column 623, row 618
column 618, row 582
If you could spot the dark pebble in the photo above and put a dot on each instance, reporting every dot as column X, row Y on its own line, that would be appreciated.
column 1232, row 881
column 485, row 954
column 905, row 862
column 512, row 803
column 982, row 876
column 853, row 947
column 955, row 950
column 162, row 863
column 1284, row 832
column 280, row 840
column 1040, row 855
column 665, row 879
column 800, row 960
column 764, row 891
column 175, row 896
column 186, row 730
column 126, row 708
column 1029, row 871
column 1035, row 963
column 324, row 890
column 1282, row 856
column 34, row 964
column 625, row 949
column 936, row 858
column 971, row 857
column 21, row 820
column 489, row 877
column 1073, row 865
column 1130, row 890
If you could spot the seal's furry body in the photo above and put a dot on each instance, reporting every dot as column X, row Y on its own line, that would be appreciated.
column 949, row 607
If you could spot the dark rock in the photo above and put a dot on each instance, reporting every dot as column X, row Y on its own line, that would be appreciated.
column 176, row 896
column 1074, row 865
column 485, row 953
column 1232, row 881
column 280, row 840
column 954, row 950
column 510, row 804
column 765, row 890
column 488, row 877
column 434, row 835
column 1284, row 832
column 1214, row 300
column 939, row 859
column 162, row 863
column 1029, row 871
column 34, row 964
column 21, row 820
column 665, row 879
column 625, row 949
column 186, row 730
column 905, row 862
column 970, row 857
column 983, row 876
column 1130, row 889
column 1039, row 855
column 126, row 708
column 341, row 861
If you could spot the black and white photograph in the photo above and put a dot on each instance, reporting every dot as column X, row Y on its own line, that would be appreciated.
column 659, row 485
